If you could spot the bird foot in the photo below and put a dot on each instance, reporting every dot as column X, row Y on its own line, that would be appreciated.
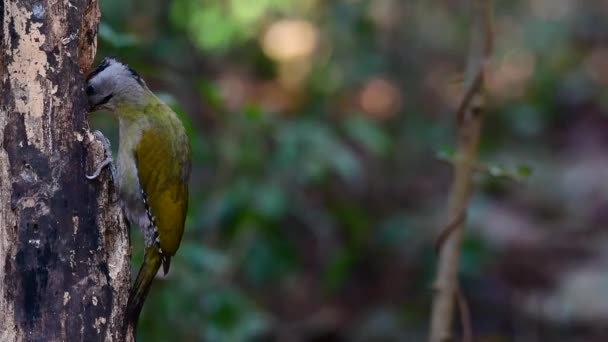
column 107, row 161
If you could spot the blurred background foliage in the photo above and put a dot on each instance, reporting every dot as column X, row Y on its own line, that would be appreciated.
column 321, row 135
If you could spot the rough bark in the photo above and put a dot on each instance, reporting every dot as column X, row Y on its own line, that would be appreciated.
column 64, row 245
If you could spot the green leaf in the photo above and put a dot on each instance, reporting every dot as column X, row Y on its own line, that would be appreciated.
column 446, row 153
column 339, row 269
column 116, row 39
column 524, row 171
column 368, row 134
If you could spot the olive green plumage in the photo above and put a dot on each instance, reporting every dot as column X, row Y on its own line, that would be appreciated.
column 152, row 167
column 162, row 158
column 143, row 282
column 161, row 171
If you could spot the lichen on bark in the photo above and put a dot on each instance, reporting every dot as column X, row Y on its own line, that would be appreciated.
column 64, row 245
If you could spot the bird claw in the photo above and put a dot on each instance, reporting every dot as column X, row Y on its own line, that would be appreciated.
column 100, row 168
column 107, row 161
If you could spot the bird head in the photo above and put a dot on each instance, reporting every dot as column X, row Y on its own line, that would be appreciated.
column 113, row 84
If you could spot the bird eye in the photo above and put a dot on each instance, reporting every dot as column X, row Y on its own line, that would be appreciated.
column 105, row 100
column 90, row 90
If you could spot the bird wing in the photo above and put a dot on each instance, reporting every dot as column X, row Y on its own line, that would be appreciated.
column 160, row 163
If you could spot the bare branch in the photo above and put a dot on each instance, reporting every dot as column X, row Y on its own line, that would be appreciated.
column 469, row 121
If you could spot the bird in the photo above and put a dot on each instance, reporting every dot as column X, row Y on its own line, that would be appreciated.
column 152, row 167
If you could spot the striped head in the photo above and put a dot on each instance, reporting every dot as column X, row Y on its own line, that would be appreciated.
column 114, row 84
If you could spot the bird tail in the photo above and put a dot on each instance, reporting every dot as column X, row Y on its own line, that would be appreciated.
column 152, row 261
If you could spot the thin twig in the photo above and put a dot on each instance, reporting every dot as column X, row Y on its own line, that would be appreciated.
column 448, row 229
column 468, row 97
column 469, row 119
column 465, row 315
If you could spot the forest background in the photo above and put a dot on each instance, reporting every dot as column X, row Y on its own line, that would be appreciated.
column 322, row 133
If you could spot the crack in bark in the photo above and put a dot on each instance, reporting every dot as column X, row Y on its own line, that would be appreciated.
column 64, row 244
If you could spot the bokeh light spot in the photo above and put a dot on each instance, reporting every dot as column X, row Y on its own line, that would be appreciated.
column 290, row 39
column 596, row 65
column 380, row 98
column 552, row 9
column 509, row 77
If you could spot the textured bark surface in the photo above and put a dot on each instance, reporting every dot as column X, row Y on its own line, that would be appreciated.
column 64, row 245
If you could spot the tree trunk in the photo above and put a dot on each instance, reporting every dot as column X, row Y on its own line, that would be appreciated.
column 64, row 245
